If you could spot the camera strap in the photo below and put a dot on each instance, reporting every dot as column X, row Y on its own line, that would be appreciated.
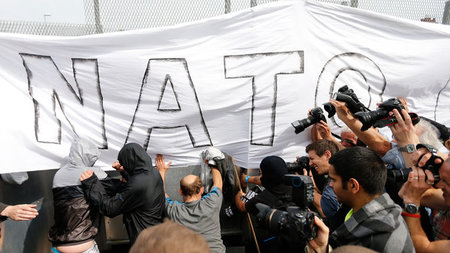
column 431, row 164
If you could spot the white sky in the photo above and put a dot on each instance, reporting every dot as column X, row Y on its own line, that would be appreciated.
column 64, row 11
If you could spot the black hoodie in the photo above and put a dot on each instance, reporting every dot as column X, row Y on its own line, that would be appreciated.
column 141, row 201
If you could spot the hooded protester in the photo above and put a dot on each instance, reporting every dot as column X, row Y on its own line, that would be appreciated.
column 141, row 200
column 276, row 195
column 76, row 222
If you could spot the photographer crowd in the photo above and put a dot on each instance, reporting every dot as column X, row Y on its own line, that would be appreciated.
column 415, row 177
column 392, row 196
column 358, row 191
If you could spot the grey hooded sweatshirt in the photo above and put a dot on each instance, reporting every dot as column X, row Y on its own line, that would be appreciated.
column 75, row 220
column 378, row 225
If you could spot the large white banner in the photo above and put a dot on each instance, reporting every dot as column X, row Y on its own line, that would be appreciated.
column 235, row 82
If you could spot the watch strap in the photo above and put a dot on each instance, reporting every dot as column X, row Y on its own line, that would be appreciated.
column 430, row 148
column 417, row 215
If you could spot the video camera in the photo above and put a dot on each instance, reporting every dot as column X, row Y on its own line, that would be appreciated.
column 316, row 115
column 297, row 222
column 381, row 118
column 344, row 94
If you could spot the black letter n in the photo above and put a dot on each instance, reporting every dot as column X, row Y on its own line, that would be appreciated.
column 82, row 107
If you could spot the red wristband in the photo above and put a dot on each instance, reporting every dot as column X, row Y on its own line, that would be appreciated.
column 411, row 215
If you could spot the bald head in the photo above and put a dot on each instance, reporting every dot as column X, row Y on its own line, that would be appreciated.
column 190, row 185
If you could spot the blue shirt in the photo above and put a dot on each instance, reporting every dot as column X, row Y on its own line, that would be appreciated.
column 329, row 203
column 394, row 158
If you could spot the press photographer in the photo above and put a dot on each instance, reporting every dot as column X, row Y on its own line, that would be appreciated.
column 400, row 176
column 418, row 191
column 358, row 177
column 320, row 129
column 276, row 195
column 319, row 153
column 302, row 166
column 295, row 226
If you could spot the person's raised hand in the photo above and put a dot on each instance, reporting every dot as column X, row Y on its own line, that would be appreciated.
column 162, row 166
column 404, row 103
column 116, row 165
column 324, row 130
column 403, row 131
column 342, row 110
column 418, row 182
column 86, row 174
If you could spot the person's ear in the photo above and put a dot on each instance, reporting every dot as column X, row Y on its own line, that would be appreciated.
column 201, row 190
column 327, row 154
column 353, row 185
column 179, row 190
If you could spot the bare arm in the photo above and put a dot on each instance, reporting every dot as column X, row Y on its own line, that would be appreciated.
column 251, row 180
column 433, row 199
column 371, row 137
column 238, row 201
column 316, row 202
column 404, row 133
column 323, row 131
column 163, row 167
column 412, row 192
column 420, row 240
column 217, row 178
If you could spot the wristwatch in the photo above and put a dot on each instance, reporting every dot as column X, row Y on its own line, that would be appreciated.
column 408, row 148
column 411, row 208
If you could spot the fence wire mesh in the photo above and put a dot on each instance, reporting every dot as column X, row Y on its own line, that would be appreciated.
column 104, row 16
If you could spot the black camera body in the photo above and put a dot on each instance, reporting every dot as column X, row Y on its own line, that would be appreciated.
column 348, row 96
column 380, row 117
column 298, row 166
column 297, row 222
column 316, row 115
column 303, row 163
column 400, row 176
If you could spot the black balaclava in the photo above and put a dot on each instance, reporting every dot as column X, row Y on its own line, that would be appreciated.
column 273, row 169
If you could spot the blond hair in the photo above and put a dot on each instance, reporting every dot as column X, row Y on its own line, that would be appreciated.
column 169, row 237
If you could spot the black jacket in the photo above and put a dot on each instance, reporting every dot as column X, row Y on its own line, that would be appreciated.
column 2, row 207
column 141, row 200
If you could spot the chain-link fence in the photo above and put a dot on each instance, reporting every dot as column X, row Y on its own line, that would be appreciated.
column 104, row 16
column 119, row 15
